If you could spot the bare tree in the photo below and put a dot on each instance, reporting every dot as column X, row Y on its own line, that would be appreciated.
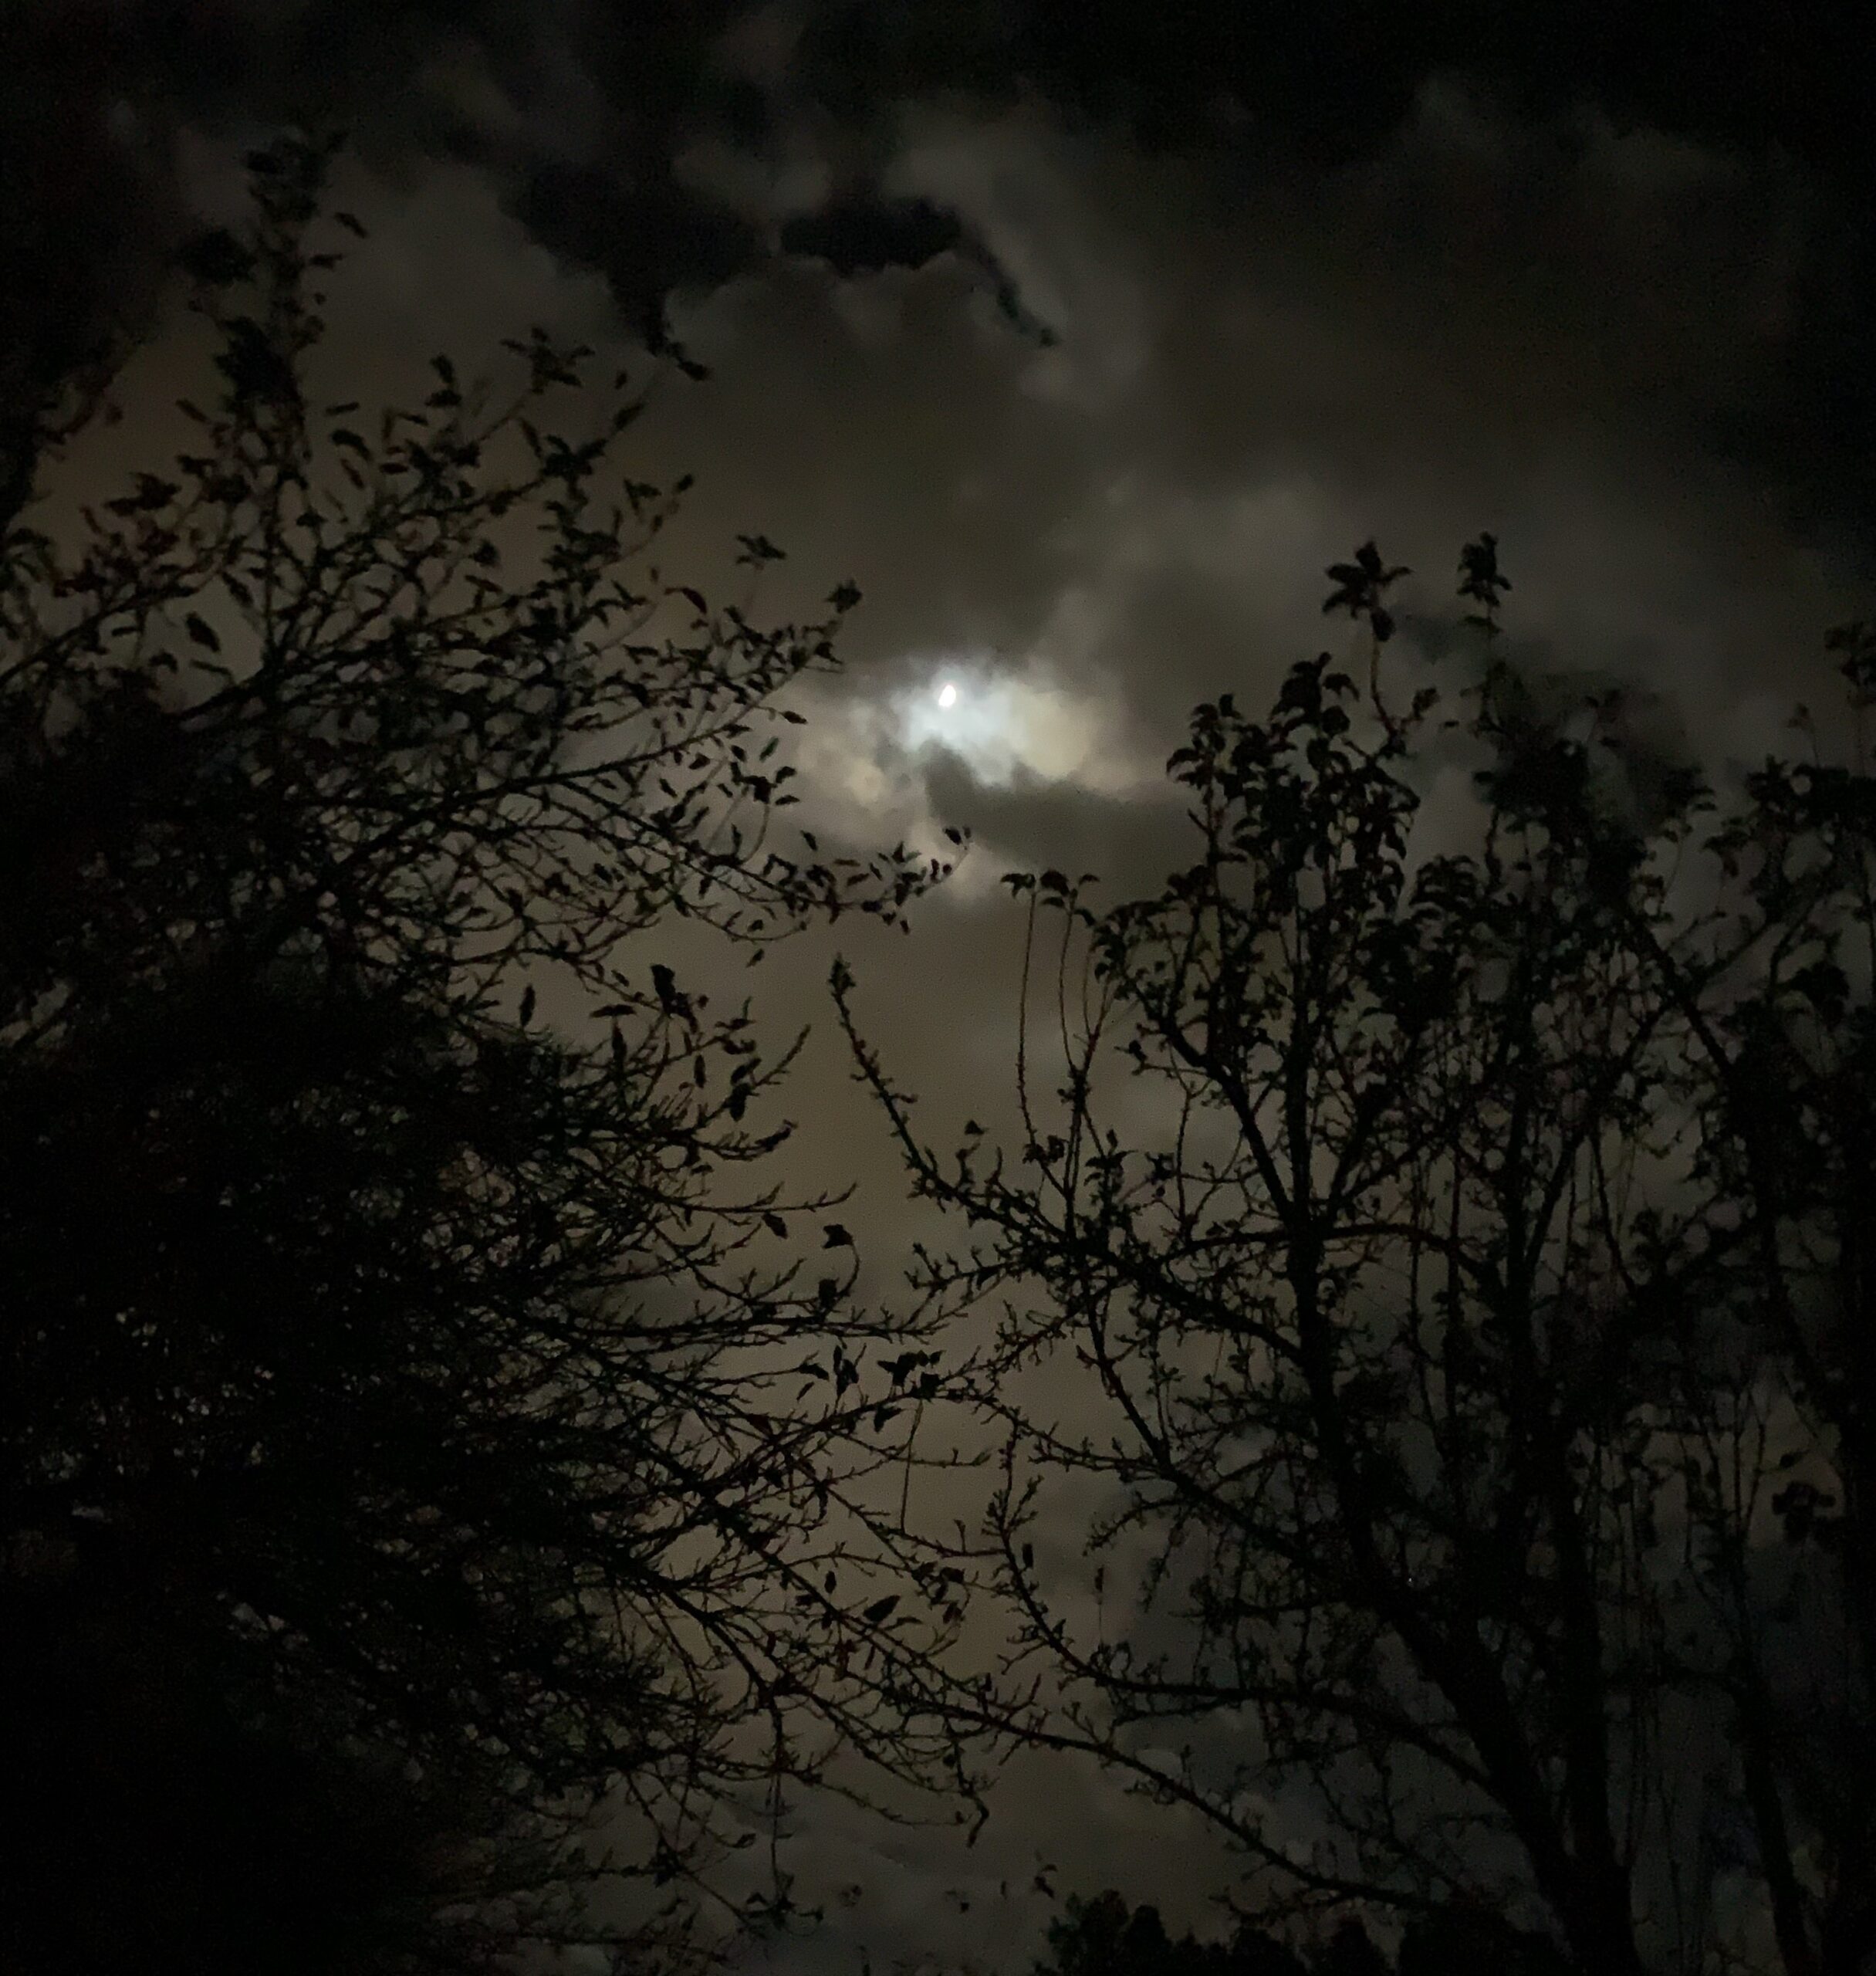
column 1430, row 1358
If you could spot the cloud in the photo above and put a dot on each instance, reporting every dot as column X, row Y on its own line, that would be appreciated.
column 1700, row 256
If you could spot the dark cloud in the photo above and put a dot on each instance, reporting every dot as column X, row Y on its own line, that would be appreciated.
column 862, row 236
column 1031, row 823
column 580, row 113
column 865, row 234
column 1291, row 96
column 1329, row 82
column 584, row 110
column 648, row 239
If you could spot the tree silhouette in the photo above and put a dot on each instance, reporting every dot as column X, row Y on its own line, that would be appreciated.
column 181, row 1821
column 1104, row 1938
column 426, row 1364
column 1447, row 1265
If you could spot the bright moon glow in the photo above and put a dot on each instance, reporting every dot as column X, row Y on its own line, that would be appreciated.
column 1004, row 723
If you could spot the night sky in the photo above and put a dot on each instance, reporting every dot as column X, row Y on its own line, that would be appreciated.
column 1081, row 338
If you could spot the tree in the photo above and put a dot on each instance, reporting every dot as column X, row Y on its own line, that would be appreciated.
column 1487, row 1257
column 76, row 263
column 180, row 1820
column 1781, row 1068
column 1104, row 1938
column 432, row 1361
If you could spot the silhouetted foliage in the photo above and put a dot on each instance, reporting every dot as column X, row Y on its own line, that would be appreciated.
column 419, row 1370
column 1104, row 1938
column 179, row 1821
column 1450, row 1259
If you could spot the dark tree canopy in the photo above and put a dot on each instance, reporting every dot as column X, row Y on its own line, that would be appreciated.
column 1450, row 1259
column 182, row 1819
column 445, row 1367
column 1104, row 1937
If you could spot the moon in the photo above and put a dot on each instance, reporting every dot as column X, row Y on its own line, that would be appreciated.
column 948, row 695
